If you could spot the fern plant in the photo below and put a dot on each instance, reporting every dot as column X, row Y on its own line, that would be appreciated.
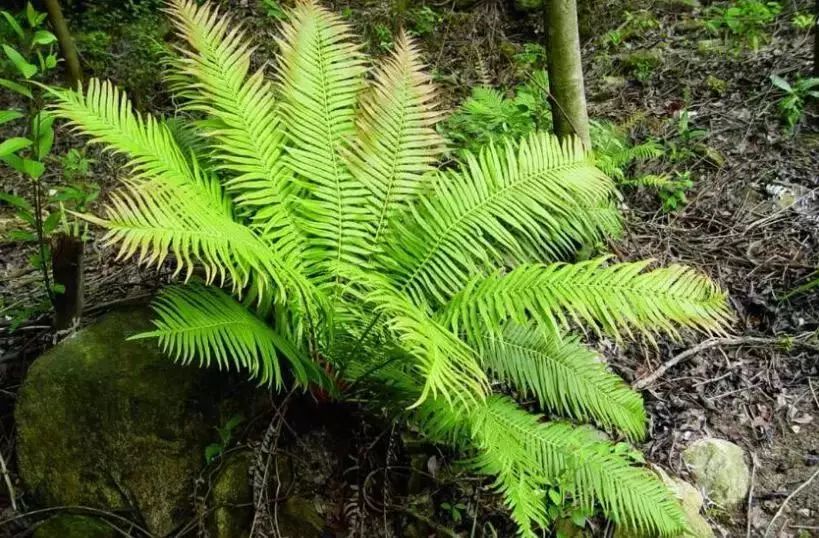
column 324, row 246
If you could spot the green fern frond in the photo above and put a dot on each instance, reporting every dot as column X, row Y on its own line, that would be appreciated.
column 618, row 299
column 321, row 76
column 105, row 114
column 519, row 449
column 152, row 222
column 204, row 324
column 565, row 376
column 172, row 204
column 449, row 368
column 476, row 214
column 396, row 143
column 244, row 130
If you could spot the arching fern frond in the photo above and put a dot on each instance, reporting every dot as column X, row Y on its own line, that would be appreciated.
column 244, row 130
column 476, row 214
column 565, row 376
column 450, row 369
column 321, row 75
column 618, row 299
column 152, row 222
column 396, row 143
column 524, row 453
column 204, row 324
column 106, row 115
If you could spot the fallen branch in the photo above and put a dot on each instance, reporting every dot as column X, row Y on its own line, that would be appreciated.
column 784, row 341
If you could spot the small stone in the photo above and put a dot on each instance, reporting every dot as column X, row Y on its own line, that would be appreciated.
column 719, row 470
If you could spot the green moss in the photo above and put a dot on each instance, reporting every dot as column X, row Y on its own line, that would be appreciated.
column 231, row 490
column 110, row 423
column 124, row 42
column 73, row 526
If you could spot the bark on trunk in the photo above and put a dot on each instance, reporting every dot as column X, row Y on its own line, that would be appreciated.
column 816, row 38
column 67, row 267
column 566, row 91
column 69, row 50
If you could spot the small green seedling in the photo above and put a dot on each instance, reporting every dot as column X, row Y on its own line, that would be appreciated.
column 792, row 104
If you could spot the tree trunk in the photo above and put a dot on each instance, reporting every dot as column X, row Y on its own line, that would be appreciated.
column 67, row 267
column 69, row 50
column 66, row 251
column 566, row 92
column 816, row 38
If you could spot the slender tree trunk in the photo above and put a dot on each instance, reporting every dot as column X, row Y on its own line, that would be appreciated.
column 69, row 50
column 816, row 38
column 566, row 92
column 66, row 250
column 67, row 267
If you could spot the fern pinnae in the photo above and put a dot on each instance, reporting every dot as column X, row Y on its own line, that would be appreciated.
column 247, row 138
column 396, row 142
column 584, row 466
column 564, row 376
column 320, row 78
column 203, row 323
column 473, row 215
column 616, row 299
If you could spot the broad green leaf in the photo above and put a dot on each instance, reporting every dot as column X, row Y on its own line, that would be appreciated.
column 15, row 87
column 9, row 115
column 43, row 37
column 34, row 17
column 42, row 126
column 15, row 201
column 28, row 70
column 781, row 83
column 52, row 221
column 13, row 145
column 33, row 169
column 13, row 23
column 23, row 236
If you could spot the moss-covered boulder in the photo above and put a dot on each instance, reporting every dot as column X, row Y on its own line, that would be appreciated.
column 113, row 424
column 74, row 526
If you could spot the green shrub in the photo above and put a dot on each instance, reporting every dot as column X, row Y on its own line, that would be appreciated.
column 746, row 20
column 792, row 104
column 489, row 115
column 336, row 253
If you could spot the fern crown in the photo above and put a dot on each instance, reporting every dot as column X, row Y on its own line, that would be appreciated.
column 324, row 236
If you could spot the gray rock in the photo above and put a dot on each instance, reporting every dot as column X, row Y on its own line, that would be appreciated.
column 719, row 470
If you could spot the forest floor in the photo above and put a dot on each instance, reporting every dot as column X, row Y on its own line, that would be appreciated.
column 750, row 221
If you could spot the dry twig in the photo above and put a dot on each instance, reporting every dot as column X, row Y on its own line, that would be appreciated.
column 805, row 484
column 802, row 339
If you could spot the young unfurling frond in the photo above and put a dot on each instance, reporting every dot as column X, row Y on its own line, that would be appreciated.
column 396, row 142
